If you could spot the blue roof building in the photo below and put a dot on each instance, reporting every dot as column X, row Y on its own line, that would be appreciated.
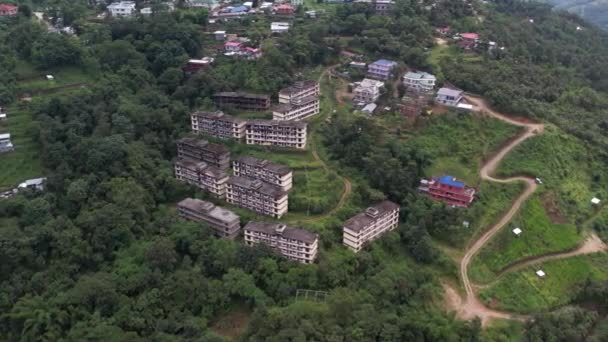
column 450, row 180
column 381, row 69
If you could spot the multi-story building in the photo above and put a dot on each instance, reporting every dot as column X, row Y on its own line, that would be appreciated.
column 297, row 109
column 224, row 222
column 369, row 225
column 381, row 69
column 449, row 97
column 122, row 9
column 206, row 177
column 264, row 170
column 8, row 10
column 301, row 89
column 243, row 101
column 367, row 91
column 295, row 244
column 276, row 133
column 218, row 124
column 256, row 195
column 382, row 7
column 419, row 81
column 448, row 190
column 201, row 150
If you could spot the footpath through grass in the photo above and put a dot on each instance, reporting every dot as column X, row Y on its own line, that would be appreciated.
column 540, row 236
column 523, row 291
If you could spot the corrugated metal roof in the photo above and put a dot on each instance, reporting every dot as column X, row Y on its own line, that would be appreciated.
column 450, row 180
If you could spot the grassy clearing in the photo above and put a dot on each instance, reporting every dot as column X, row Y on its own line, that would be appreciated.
column 23, row 162
column 32, row 80
column 316, row 192
column 540, row 236
column 567, row 167
column 525, row 292
column 457, row 144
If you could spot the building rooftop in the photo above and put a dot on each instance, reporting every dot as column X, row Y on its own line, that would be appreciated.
column 219, row 115
column 218, row 213
column 241, row 94
column 287, row 123
column 385, row 62
column 297, row 87
column 257, row 185
column 122, row 4
column 369, row 83
column 273, row 228
column 263, row 163
column 362, row 220
column 450, row 180
column 449, row 92
column 419, row 75
column 204, row 144
column 191, row 164
column 469, row 35
column 204, row 60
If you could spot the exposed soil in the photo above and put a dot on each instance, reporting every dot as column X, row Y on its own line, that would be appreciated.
column 441, row 41
column 549, row 202
column 232, row 324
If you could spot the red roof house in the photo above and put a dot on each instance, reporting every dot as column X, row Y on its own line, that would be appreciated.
column 284, row 10
column 6, row 10
column 468, row 40
column 449, row 190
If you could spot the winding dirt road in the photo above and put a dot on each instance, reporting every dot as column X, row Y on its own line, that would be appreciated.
column 472, row 307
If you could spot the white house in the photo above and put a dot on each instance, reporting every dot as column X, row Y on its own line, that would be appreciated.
column 122, row 9
column 5, row 142
column 367, row 91
column 419, row 81
column 449, row 97
column 279, row 27
column 36, row 183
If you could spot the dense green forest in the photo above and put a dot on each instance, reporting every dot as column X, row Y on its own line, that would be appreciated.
column 102, row 254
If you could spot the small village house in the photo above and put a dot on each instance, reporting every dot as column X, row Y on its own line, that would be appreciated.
column 381, row 69
column 419, row 81
column 8, row 10
column 195, row 65
column 5, row 143
column 449, row 97
column 284, row 10
column 279, row 27
column 468, row 41
column 382, row 7
column 367, row 91
column 122, row 9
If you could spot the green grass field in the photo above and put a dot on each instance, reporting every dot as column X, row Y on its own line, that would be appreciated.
column 457, row 144
column 540, row 236
column 567, row 167
column 523, row 291
column 23, row 162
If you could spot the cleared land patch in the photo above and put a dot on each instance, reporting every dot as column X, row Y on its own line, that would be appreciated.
column 540, row 236
column 523, row 291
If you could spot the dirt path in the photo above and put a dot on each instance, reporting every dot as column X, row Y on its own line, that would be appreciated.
column 347, row 183
column 472, row 307
column 593, row 244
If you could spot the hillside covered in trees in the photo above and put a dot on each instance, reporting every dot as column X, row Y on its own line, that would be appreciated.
column 102, row 255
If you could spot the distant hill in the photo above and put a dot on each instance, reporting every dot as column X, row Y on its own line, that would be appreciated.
column 594, row 11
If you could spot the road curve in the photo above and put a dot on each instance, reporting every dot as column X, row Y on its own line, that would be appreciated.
column 473, row 306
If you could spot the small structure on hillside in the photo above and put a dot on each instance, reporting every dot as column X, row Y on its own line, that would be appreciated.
column 517, row 231
column 369, row 108
column 195, row 65
column 8, row 10
column 468, row 41
column 2, row 114
column 279, row 27
column 5, row 143
column 381, row 69
column 541, row 273
column 50, row 77
column 219, row 35
column 367, row 91
column 595, row 200
column 449, row 97
column 36, row 184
